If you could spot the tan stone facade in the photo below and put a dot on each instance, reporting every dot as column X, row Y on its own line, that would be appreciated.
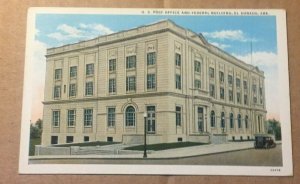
column 192, row 91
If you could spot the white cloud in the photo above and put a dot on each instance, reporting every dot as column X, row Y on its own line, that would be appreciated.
column 268, row 62
column 82, row 31
column 38, row 78
column 234, row 35
column 220, row 45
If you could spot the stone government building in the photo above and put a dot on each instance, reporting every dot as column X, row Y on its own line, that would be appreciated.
column 99, row 89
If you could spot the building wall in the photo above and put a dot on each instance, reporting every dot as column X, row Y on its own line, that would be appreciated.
column 166, row 44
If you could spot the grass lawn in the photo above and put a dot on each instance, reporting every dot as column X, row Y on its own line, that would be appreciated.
column 164, row 146
column 33, row 142
column 97, row 143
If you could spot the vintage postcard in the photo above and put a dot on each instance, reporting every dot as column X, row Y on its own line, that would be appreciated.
column 156, row 91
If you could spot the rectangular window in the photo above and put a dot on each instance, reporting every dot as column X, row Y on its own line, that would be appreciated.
column 73, row 71
column 230, row 79
column 221, row 75
column 197, row 84
column 197, row 66
column 89, row 88
column 130, row 83
column 151, row 81
column 88, row 117
column 238, row 97
column 178, row 59
column 238, row 82
column 260, row 91
column 112, row 86
column 86, row 138
column 55, row 118
column 69, row 139
column 254, row 99
column 72, row 90
column 151, row 58
column 178, row 116
column 58, row 74
column 211, row 72
column 222, row 93
column 112, row 65
column 212, row 90
column 130, row 62
column 230, row 93
column 111, row 116
column 254, row 88
column 245, row 99
column 245, row 85
column 151, row 119
column 178, row 81
column 71, row 118
column 54, row 139
column 57, row 92
column 89, row 69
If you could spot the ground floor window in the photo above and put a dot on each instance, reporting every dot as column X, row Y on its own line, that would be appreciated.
column 70, row 139
column 130, row 116
column 231, row 120
column 150, row 119
column 178, row 116
column 86, row 138
column 223, row 120
column 55, row 118
column 246, row 121
column 239, row 121
column 212, row 119
column 54, row 139
column 88, row 117
column 71, row 118
column 200, row 119
column 111, row 116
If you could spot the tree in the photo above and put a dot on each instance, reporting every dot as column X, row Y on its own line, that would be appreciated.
column 274, row 128
column 36, row 129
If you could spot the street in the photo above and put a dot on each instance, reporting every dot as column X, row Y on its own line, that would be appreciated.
column 249, row 157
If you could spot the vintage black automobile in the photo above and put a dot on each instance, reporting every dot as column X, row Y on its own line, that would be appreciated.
column 264, row 141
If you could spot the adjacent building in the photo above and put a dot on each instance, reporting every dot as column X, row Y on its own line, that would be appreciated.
column 99, row 89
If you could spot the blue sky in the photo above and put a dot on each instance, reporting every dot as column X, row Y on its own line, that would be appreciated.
column 233, row 34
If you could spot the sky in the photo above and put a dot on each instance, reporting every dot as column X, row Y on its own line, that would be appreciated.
column 233, row 34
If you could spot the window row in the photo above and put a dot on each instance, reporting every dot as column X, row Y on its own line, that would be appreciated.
column 71, row 118
column 69, row 139
column 89, row 70
column 222, row 119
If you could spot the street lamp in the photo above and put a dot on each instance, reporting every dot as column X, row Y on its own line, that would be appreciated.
column 145, row 132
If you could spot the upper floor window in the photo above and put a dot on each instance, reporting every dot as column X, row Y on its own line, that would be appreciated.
column 89, row 88
column 245, row 99
column 112, row 65
column 55, row 118
column 89, row 69
column 211, row 72
column 245, row 85
column 197, row 84
column 73, row 71
column 130, row 62
column 151, row 81
column 178, row 116
column 178, row 59
column 238, row 82
column 88, row 117
column 151, row 58
column 71, row 117
column 130, row 83
column 112, row 86
column 178, row 81
column 72, row 90
column 221, row 75
column 111, row 116
column 212, row 90
column 57, row 92
column 230, row 79
column 197, row 66
column 260, row 91
column 130, row 116
column 238, row 97
column 230, row 93
column 222, row 93
column 254, row 88
column 58, row 74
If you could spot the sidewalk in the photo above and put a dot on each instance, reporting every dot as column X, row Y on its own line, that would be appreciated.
column 165, row 154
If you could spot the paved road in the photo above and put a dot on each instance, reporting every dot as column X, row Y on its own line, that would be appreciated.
column 250, row 157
